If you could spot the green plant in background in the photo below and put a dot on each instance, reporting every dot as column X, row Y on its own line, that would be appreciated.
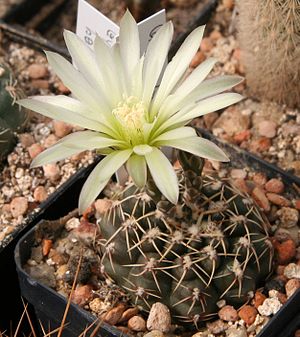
column 178, row 238
column 269, row 36
column 12, row 116
column 129, row 120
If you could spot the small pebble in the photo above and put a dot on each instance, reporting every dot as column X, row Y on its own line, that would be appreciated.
column 113, row 316
column 269, row 307
column 291, row 286
column 18, row 206
column 238, row 174
column 259, row 179
column 288, row 217
column 274, row 186
column 37, row 71
column 286, row 251
column 61, row 129
column 206, row 45
column 137, row 323
column 241, row 136
column 159, row 318
column 228, row 314
column 267, row 129
column 102, row 205
column 46, row 246
column 248, row 314
column 40, row 84
column 259, row 299
column 26, row 139
column 260, row 197
column 51, row 171
column 127, row 314
column 217, row 326
column 62, row 88
column 34, row 150
column 278, row 200
column 292, row 270
column 154, row 333
column 40, row 194
column 50, row 140
column 82, row 294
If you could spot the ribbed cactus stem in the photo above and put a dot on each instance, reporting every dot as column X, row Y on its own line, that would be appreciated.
column 269, row 36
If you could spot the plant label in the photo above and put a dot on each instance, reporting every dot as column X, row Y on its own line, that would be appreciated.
column 91, row 22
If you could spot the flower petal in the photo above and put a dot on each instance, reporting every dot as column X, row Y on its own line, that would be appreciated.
column 60, row 113
column 100, row 176
column 177, row 67
column 163, row 174
column 183, row 132
column 198, row 146
column 107, row 64
column 137, row 169
column 196, row 77
column 79, row 86
column 129, row 43
column 85, row 60
column 155, row 58
column 210, row 104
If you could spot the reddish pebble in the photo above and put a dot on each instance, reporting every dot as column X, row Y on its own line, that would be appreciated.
column 260, row 145
column 206, row 45
column 229, row 4
column 241, row 185
column 274, row 186
column 248, row 314
column 137, row 323
column 259, row 299
column 36, row 71
column 18, row 206
column 34, row 150
column 267, row 129
column 82, row 294
column 215, row 35
column 197, row 59
column 278, row 200
column 228, row 314
column 237, row 54
column 63, row 89
column 127, row 314
column 61, row 129
column 259, row 179
column 297, row 204
column 46, row 246
column 40, row 194
column 286, row 251
column 259, row 196
column 242, row 136
column 113, row 316
column 291, row 286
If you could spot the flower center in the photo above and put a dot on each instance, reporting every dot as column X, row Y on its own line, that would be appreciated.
column 131, row 114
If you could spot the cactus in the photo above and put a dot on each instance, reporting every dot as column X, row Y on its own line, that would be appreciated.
column 212, row 245
column 269, row 36
column 12, row 117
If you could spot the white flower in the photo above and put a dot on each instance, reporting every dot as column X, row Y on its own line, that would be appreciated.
column 114, row 95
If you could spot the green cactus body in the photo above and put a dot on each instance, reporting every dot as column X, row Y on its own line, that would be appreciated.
column 12, row 116
column 269, row 36
column 212, row 245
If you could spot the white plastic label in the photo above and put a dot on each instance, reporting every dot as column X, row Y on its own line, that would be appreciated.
column 91, row 22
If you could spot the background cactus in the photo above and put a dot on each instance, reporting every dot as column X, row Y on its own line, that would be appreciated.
column 213, row 244
column 269, row 36
column 12, row 116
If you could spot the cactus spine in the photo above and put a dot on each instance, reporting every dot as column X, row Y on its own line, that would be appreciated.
column 269, row 36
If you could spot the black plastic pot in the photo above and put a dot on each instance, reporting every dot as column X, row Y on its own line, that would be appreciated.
column 49, row 305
